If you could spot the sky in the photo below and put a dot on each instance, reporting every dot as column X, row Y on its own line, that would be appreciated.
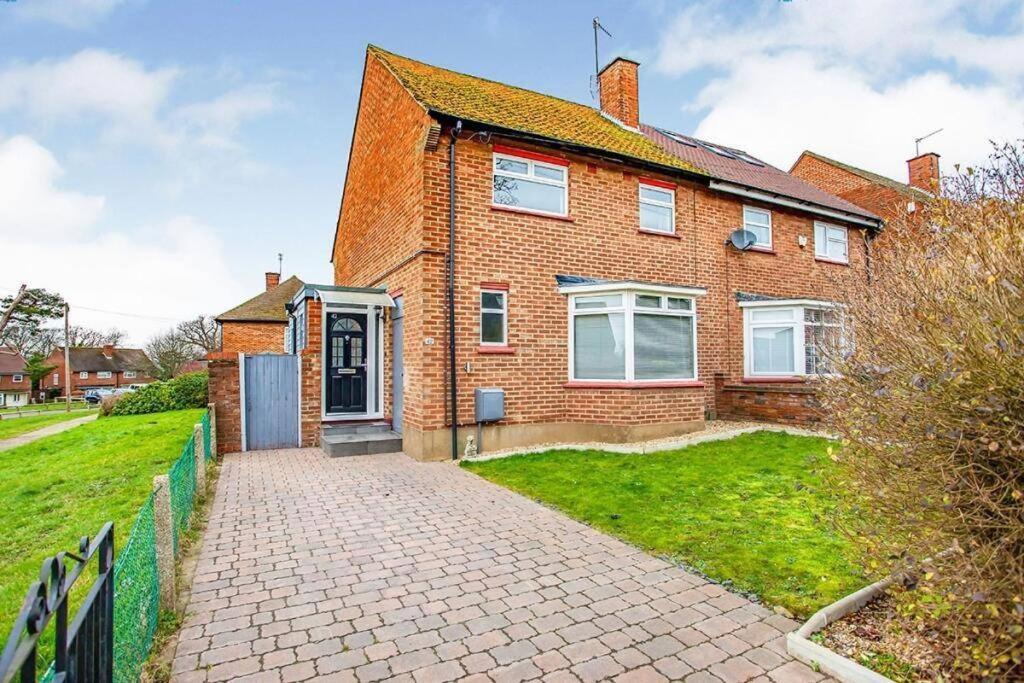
column 156, row 156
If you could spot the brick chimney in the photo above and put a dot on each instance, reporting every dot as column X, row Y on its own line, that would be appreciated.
column 924, row 171
column 620, row 91
column 273, row 280
column 108, row 350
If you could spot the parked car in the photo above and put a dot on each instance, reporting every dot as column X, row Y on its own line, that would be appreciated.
column 94, row 396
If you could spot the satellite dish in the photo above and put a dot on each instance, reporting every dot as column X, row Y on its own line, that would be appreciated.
column 742, row 239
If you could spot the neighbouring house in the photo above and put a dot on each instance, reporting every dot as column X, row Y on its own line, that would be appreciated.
column 259, row 325
column 570, row 260
column 96, row 368
column 15, row 384
column 890, row 199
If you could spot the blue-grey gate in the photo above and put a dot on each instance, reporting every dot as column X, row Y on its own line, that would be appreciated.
column 271, row 399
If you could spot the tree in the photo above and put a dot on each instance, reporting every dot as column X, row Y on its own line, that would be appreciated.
column 169, row 352
column 37, row 369
column 28, row 309
column 201, row 332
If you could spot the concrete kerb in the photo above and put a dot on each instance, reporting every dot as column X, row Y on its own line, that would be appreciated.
column 651, row 446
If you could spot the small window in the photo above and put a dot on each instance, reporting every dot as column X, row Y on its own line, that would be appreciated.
column 792, row 340
column 84, row 374
column 831, row 242
column 759, row 222
column 18, row 379
column 129, row 374
column 657, row 209
column 493, row 317
column 531, row 185
column 56, row 378
column 103, row 375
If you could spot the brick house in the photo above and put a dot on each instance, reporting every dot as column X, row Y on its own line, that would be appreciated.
column 584, row 267
column 887, row 198
column 15, row 384
column 259, row 324
column 96, row 368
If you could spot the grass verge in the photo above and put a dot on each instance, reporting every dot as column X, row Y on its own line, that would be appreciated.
column 22, row 425
column 749, row 510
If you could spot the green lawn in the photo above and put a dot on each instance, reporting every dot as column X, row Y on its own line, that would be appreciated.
column 64, row 486
column 33, row 407
column 749, row 510
column 13, row 426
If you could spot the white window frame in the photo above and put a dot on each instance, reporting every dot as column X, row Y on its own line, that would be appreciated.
column 766, row 212
column 797, row 323
column 652, row 202
column 530, row 175
column 56, row 378
column 129, row 374
column 18, row 379
column 103, row 374
column 629, row 292
column 504, row 316
column 84, row 374
column 821, row 245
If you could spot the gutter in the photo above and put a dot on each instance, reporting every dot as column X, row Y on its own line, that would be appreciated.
column 770, row 198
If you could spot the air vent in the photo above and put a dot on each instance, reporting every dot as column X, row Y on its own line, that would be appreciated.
column 433, row 135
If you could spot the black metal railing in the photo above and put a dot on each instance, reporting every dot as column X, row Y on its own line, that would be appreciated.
column 83, row 651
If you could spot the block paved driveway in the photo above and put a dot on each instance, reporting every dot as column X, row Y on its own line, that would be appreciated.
column 381, row 568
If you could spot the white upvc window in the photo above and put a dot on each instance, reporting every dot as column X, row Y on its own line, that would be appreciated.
column 531, row 185
column 18, row 379
column 831, row 242
column 657, row 208
column 129, row 374
column 632, row 336
column 56, row 378
column 84, row 374
column 493, row 317
column 791, row 339
column 759, row 222
column 103, row 374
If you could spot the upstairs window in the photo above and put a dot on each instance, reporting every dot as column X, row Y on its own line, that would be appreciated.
column 84, row 374
column 18, row 379
column 831, row 242
column 522, row 182
column 129, row 374
column 104, row 374
column 759, row 222
column 56, row 378
column 657, row 207
column 494, row 317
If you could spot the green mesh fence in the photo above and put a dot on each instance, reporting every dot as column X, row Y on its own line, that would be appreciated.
column 183, row 490
column 136, row 597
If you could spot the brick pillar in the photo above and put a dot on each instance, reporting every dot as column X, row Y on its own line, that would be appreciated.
column 225, row 396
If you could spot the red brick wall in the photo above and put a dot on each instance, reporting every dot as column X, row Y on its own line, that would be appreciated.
column 224, row 394
column 252, row 337
column 881, row 200
column 795, row 404
column 310, row 377
column 7, row 383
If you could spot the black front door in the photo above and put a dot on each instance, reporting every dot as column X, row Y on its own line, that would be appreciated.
column 346, row 363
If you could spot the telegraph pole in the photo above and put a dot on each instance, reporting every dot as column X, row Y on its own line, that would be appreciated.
column 67, row 361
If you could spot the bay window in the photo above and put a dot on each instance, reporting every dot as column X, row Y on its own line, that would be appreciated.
column 790, row 339
column 524, row 182
column 632, row 336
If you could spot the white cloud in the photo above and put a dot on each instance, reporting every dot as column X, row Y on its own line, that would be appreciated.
column 29, row 198
column 215, row 123
column 68, row 13
column 149, row 278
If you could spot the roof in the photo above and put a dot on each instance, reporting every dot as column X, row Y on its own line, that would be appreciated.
column 265, row 307
column 515, row 109
column 744, row 169
column 876, row 178
column 91, row 359
column 11, row 362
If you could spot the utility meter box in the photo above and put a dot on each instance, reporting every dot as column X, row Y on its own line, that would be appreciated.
column 490, row 404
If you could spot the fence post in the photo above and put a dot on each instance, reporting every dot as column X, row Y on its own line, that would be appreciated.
column 200, row 456
column 164, row 524
column 212, row 408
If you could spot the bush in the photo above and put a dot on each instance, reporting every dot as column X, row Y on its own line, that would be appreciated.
column 107, row 403
column 931, row 407
column 180, row 393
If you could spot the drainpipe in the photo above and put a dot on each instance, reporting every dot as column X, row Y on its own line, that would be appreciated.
column 451, row 290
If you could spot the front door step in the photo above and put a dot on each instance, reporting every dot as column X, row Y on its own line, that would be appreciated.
column 360, row 443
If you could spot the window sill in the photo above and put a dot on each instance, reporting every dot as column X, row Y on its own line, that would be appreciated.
column 762, row 250
column 673, row 235
column 498, row 349
column 832, row 261
column 528, row 212
column 676, row 384
column 780, row 379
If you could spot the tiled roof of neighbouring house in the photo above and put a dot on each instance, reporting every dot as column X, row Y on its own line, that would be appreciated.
column 736, row 166
column 11, row 362
column 872, row 177
column 91, row 359
column 267, row 306
column 524, row 111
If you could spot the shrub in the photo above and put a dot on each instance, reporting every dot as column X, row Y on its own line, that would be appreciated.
column 184, row 391
column 931, row 407
column 107, row 403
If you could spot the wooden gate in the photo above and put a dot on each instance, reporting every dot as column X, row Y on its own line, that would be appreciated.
column 270, row 396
